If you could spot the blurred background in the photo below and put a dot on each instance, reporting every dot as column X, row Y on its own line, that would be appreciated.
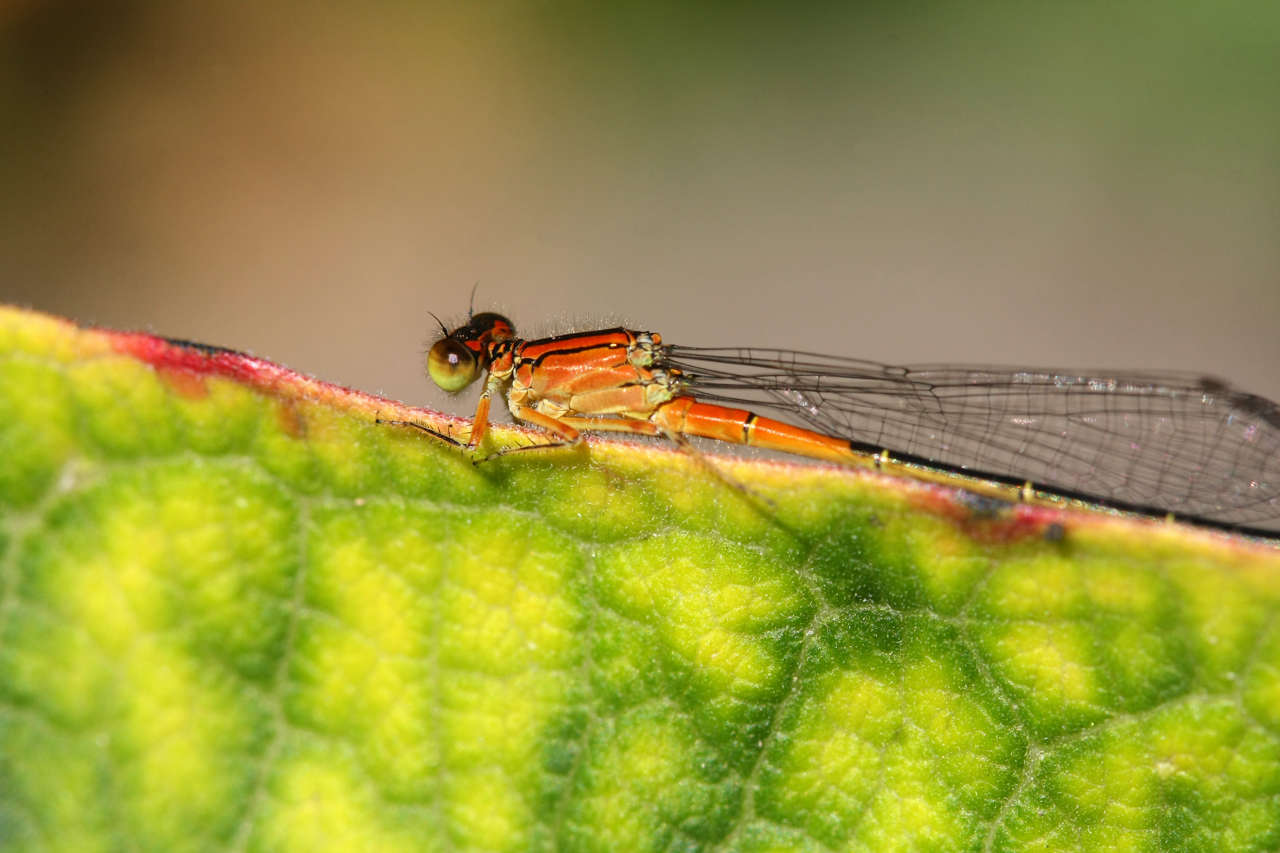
column 1086, row 183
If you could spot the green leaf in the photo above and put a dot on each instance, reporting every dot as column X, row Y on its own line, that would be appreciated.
column 239, row 614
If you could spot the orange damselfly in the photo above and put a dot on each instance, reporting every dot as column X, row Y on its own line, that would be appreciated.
column 1153, row 442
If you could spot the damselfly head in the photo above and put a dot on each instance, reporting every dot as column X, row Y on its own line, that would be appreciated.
column 489, row 326
column 457, row 359
column 480, row 329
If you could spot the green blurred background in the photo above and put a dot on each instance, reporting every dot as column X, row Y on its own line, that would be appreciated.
column 1087, row 183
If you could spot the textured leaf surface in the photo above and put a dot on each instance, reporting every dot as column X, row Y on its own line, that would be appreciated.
column 237, row 614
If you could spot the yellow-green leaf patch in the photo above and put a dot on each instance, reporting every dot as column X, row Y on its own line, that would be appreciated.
column 236, row 613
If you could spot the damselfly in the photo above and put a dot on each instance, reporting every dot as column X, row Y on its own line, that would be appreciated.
column 1153, row 442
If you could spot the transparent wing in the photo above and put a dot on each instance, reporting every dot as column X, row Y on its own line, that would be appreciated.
column 1169, row 442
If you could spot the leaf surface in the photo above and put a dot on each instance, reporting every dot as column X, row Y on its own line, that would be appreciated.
column 238, row 614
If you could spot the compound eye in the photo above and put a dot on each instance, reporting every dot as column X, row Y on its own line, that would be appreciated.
column 451, row 365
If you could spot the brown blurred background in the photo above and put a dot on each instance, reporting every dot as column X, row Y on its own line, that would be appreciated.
column 1087, row 183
